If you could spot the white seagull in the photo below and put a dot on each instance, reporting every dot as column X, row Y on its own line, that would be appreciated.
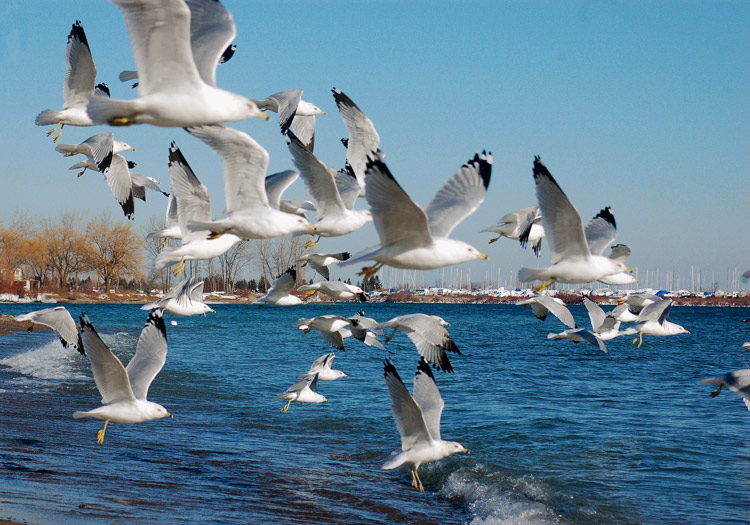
column 413, row 238
column 302, row 392
column 193, row 204
column 78, row 88
column 98, row 149
column 428, row 334
column 541, row 305
column 418, row 421
column 738, row 381
column 363, row 139
column 322, row 368
column 335, row 212
column 184, row 298
column 328, row 326
column 280, row 291
column 60, row 320
column 336, row 289
column 249, row 212
column 175, row 87
column 653, row 321
column 295, row 113
column 321, row 261
column 523, row 225
column 604, row 325
column 620, row 253
column 575, row 253
column 123, row 389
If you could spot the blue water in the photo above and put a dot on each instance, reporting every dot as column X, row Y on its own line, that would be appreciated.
column 558, row 432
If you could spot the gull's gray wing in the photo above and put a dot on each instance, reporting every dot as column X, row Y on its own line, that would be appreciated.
column 150, row 355
column 304, row 128
column 322, row 270
column 146, row 182
column 127, row 75
column 109, row 374
column 590, row 338
column 101, row 146
column 397, row 218
column 596, row 314
column 60, row 320
column 80, row 72
column 159, row 32
column 276, row 184
column 284, row 283
column 245, row 164
column 427, row 396
column 428, row 336
column 363, row 139
column 620, row 252
column 286, row 104
column 658, row 311
column 332, row 338
column 318, row 179
column 196, row 292
column 557, row 309
column 460, row 196
column 193, row 201
column 346, row 183
column 299, row 386
column 121, row 185
column 139, row 192
column 601, row 231
column 562, row 222
column 211, row 32
column 406, row 412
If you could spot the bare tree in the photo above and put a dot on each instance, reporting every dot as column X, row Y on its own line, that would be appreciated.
column 274, row 256
column 115, row 251
column 67, row 251
column 234, row 261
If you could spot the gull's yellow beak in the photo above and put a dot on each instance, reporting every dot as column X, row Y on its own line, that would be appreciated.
column 466, row 451
column 262, row 115
column 133, row 149
column 323, row 112
column 212, row 310
column 313, row 228
column 170, row 415
column 482, row 256
column 629, row 270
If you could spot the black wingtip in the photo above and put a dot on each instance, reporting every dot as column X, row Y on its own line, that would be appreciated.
column 86, row 324
column 345, row 256
column 292, row 272
column 341, row 99
column 78, row 33
column 375, row 162
column 128, row 207
column 228, row 53
column 131, row 164
column 345, row 142
column 103, row 87
column 81, row 350
column 156, row 318
column 483, row 164
column 390, row 368
column 450, row 346
column 424, row 368
column 606, row 214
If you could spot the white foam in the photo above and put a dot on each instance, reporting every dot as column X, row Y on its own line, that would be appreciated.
column 50, row 361
column 497, row 501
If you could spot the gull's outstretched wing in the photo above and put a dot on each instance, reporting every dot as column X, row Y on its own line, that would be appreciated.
column 109, row 374
column 562, row 222
column 283, row 284
column 286, row 103
column 60, row 320
column 121, row 185
column 460, row 196
column 304, row 128
column 211, row 32
column 428, row 335
column 193, row 201
column 363, row 139
column 397, row 218
column 658, row 311
column 276, row 184
column 557, row 309
column 596, row 314
column 346, row 183
column 318, row 179
column 601, row 231
column 80, row 72
column 150, row 355
column 406, row 412
column 146, row 182
column 159, row 32
column 245, row 163
column 427, row 396
column 195, row 292
column 620, row 252
column 101, row 149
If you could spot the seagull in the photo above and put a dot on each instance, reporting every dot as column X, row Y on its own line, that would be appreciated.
column 276, row 185
column 413, row 238
column 604, row 325
column 295, row 113
column 280, row 291
column 363, row 139
column 123, row 389
column 428, row 334
column 141, row 183
column 98, row 149
column 321, row 261
column 575, row 254
column 653, row 321
column 322, row 368
column 193, row 204
column 249, row 212
column 176, row 87
column 205, row 17
column 580, row 335
column 523, row 225
column 328, row 326
column 619, row 252
column 337, row 289
column 78, row 88
column 302, row 392
column 365, row 329
column 738, row 381
column 60, row 320
column 185, row 299
column 418, row 421
column 541, row 305
column 335, row 213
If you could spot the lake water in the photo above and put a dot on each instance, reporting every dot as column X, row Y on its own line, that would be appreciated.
column 558, row 433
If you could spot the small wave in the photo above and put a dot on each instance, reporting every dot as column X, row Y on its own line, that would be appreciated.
column 496, row 499
column 50, row 361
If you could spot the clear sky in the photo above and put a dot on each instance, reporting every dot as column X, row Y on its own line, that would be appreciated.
column 642, row 106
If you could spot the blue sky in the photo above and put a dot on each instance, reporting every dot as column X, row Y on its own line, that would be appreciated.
column 642, row 106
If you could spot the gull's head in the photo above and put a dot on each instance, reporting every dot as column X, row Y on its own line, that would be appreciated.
column 476, row 253
column 308, row 109
column 160, row 411
column 456, row 448
column 339, row 373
